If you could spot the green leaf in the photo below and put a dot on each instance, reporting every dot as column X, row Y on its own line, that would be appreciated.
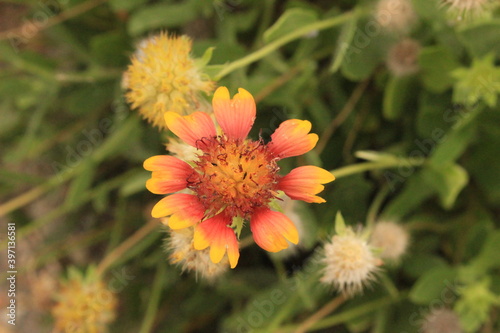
column 447, row 180
column 117, row 141
column 435, row 115
column 420, row 263
column 397, row 93
column 207, row 56
column 80, row 184
column 340, row 227
column 292, row 19
column 110, row 49
column 126, row 5
column 432, row 284
column 135, row 183
column 452, row 145
column 475, row 304
column 89, row 97
column 365, row 53
column 345, row 39
column 488, row 258
column 413, row 194
column 481, row 38
column 161, row 15
column 436, row 64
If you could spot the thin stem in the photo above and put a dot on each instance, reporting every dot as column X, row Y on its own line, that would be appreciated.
column 278, row 82
column 154, row 299
column 36, row 192
column 118, row 252
column 66, row 15
column 368, row 166
column 375, row 207
column 264, row 51
column 342, row 116
column 350, row 314
column 320, row 314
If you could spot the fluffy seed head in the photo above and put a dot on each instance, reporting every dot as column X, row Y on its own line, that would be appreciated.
column 182, row 150
column 164, row 77
column 466, row 10
column 350, row 263
column 84, row 304
column 441, row 321
column 180, row 246
column 402, row 58
column 395, row 16
column 391, row 239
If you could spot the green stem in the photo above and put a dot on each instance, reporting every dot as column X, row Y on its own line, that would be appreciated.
column 65, row 208
column 347, row 315
column 274, row 45
column 375, row 207
column 369, row 166
column 154, row 299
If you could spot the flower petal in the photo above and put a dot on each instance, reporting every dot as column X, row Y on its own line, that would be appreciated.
column 235, row 116
column 271, row 229
column 304, row 182
column 191, row 128
column 216, row 233
column 186, row 210
column 292, row 138
column 169, row 175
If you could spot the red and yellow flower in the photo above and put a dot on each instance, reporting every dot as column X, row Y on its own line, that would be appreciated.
column 234, row 178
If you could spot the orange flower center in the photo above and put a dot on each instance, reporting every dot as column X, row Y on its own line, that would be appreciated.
column 237, row 176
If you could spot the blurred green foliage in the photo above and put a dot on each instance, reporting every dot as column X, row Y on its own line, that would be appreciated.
column 421, row 150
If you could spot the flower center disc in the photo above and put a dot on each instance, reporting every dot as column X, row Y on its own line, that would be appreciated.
column 237, row 176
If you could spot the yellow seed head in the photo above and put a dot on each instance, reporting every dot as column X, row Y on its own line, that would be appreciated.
column 164, row 77
column 84, row 305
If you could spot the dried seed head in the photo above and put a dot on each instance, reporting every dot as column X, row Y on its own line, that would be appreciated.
column 441, row 321
column 395, row 16
column 402, row 58
column 391, row 238
column 350, row 263
column 180, row 246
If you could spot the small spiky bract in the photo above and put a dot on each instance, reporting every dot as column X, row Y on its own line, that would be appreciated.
column 164, row 77
column 84, row 304
column 349, row 262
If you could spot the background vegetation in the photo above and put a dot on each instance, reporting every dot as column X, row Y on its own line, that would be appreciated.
column 419, row 149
